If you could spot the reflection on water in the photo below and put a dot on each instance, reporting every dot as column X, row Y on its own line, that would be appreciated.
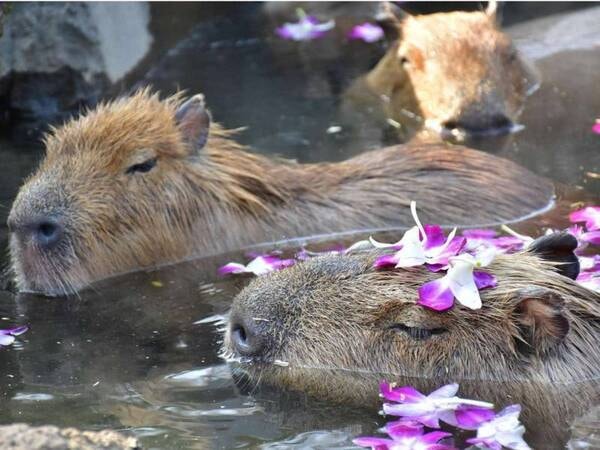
column 143, row 356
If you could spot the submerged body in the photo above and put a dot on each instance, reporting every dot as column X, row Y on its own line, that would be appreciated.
column 449, row 73
column 142, row 182
column 341, row 326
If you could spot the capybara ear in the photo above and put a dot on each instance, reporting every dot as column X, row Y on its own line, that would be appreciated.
column 193, row 120
column 388, row 16
column 541, row 321
column 558, row 247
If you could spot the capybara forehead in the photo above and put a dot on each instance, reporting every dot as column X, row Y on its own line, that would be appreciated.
column 445, row 37
column 110, row 133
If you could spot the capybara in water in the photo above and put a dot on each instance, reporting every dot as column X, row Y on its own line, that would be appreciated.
column 334, row 327
column 453, row 73
column 141, row 182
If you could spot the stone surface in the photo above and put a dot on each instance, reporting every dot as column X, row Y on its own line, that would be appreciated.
column 56, row 57
column 25, row 437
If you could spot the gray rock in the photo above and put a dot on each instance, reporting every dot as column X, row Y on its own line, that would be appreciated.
column 56, row 57
column 25, row 437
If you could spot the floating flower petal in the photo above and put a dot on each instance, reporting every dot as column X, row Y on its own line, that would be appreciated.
column 504, row 430
column 367, row 32
column 258, row 266
column 596, row 127
column 306, row 29
column 590, row 215
column 7, row 336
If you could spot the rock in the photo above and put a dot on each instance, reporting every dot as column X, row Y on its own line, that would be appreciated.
column 56, row 57
column 25, row 437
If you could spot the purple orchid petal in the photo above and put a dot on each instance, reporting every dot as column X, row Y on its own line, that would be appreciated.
column 403, row 431
column 596, row 128
column 429, row 420
column 436, row 295
column 434, row 236
column 479, row 233
column 590, row 215
column 484, row 280
column 469, row 417
column 591, row 237
column 307, row 28
column 590, row 280
column 385, row 261
column 436, row 267
column 488, row 443
column 434, row 437
column 414, row 411
column 367, row 32
column 404, row 394
column 231, row 268
column 509, row 243
column 373, row 442
column 454, row 248
column 446, row 391
column 7, row 336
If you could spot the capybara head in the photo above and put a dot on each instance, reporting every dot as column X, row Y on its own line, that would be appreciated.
column 119, row 189
column 457, row 71
column 334, row 326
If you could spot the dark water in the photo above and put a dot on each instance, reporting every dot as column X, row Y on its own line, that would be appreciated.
column 140, row 352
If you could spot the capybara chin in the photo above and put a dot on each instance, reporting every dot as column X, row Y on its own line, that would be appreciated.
column 141, row 182
column 334, row 327
column 455, row 72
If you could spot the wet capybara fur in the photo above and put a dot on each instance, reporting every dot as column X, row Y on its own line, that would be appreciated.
column 335, row 327
column 141, row 182
column 446, row 71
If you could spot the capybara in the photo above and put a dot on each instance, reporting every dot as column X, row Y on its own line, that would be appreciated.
column 334, row 327
column 141, row 182
column 452, row 73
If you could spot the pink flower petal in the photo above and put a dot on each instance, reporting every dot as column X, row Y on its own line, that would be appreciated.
column 434, row 236
column 436, row 295
column 434, row 437
column 385, row 261
column 404, row 394
column 373, row 442
column 591, row 237
column 484, row 280
column 402, row 431
column 596, row 128
column 469, row 417
column 590, row 215
column 479, row 233
column 232, row 268
column 367, row 32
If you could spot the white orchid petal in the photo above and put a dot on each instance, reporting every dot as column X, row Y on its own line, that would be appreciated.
column 462, row 283
column 413, row 211
column 6, row 339
column 360, row 245
column 378, row 244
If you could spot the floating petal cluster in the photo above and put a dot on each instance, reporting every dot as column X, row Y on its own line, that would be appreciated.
column 307, row 28
column 427, row 245
column 367, row 32
column 587, row 235
column 418, row 412
column 260, row 265
column 7, row 337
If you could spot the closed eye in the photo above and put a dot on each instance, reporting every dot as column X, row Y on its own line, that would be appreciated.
column 417, row 333
column 144, row 167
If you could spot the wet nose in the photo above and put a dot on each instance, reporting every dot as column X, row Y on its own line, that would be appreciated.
column 246, row 337
column 46, row 232
column 480, row 123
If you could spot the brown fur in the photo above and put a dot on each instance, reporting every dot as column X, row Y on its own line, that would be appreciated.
column 339, row 324
column 451, row 70
column 223, row 197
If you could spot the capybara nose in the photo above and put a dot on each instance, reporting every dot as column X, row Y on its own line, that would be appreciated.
column 246, row 337
column 45, row 232
column 494, row 124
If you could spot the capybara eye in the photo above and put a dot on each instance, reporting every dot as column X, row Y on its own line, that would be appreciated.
column 417, row 333
column 144, row 167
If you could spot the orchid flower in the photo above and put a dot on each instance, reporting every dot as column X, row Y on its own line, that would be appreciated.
column 503, row 431
column 589, row 263
column 406, row 437
column 260, row 265
column 441, row 404
column 421, row 245
column 461, row 282
column 367, row 32
column 596, row 127
column 590, row 280
column 590, row 215
column 306, row 29
column 7, row 336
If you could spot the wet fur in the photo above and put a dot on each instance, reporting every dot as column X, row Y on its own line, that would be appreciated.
column 335, row 321
column 224, row 197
